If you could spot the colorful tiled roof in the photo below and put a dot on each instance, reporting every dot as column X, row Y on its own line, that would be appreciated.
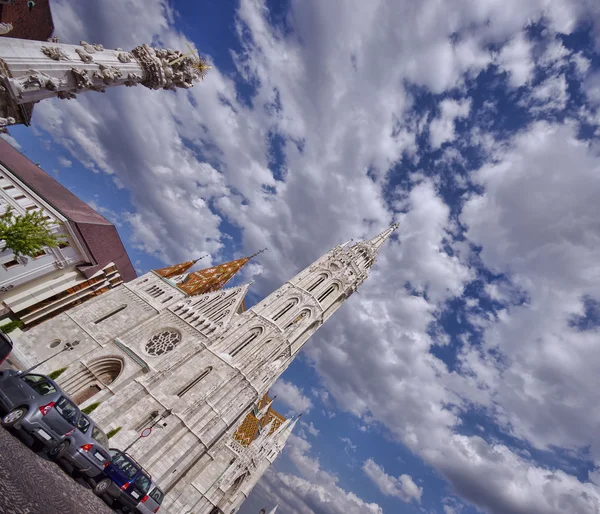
column 177, row 269
column 212, row 279
column 251, row 426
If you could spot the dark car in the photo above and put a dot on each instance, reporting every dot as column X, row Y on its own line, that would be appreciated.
column 86, row 448
column 6, row 346
column 124, row 481
column 37, row 405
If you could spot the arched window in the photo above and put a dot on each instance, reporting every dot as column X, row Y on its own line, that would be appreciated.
column 304, row 314
column 194, row 382
column 249, row 338
column 110, row 313
column 285, row 309
column 320, row 279
column 330, row 290
column 167, row 299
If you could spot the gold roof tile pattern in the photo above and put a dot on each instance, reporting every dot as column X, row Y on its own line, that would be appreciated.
column 212, row 279
column 250, row 427
column 177, row 269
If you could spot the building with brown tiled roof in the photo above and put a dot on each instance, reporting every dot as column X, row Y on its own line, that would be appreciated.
column 92, row 259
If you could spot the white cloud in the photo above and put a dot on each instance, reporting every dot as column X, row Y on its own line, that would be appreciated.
column 7, row 137
column 292, row 396
column 64, row 162
column 442, row 128
column 516, row 58
column 310, row 427
column 402, row 487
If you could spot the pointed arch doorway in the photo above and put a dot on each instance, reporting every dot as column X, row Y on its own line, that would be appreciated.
column 93, row 377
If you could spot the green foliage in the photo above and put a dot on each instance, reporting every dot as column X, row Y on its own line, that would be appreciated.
column 113, row 432
column 11, row 325
column 57, row 373
column 27, row 234
column 91, row 408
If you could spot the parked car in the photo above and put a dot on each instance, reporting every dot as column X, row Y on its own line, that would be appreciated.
column 86, row 448
column 37, row 405
column 124, row 481
column 6, row 346
column 150, row 503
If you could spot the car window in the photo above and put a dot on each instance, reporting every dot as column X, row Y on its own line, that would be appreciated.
column 125, row 465
column 84, row 424
column 39, row 384
column 157, row 495
column 100, row 436
column 143, row 482
column 67, row 410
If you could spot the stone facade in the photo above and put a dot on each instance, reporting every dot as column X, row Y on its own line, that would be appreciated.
column 199, row 367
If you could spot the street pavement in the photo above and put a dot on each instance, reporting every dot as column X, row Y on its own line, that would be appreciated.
column 31, row 484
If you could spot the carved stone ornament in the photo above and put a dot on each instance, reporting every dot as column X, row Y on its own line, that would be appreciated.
column 37, row 80
column 82, row 79
column 160, row 73
column 108, row 74
column 7, row 121
column 84, row 56
column 124, row 57
column 55, row 53
column 21, row 259
column 133, row 79
column 91, row 48
column 5, row 28
column 7, row 288
column 53, row 39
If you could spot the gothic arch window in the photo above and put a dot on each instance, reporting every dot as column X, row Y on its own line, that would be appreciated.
column 254, row 333
column 328, row 292
column 110, row 314
column 285, row 309
column 163, row 342
column 305, row 314
column 194, row 382
column 167, row 299
column 320, row 279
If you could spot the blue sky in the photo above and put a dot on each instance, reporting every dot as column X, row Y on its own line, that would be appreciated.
column 461, row 378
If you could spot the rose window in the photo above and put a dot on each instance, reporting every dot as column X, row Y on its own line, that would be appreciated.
column 163, row 342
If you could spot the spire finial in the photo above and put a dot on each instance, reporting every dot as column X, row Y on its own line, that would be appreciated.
column 258, row 253
column 200, row 258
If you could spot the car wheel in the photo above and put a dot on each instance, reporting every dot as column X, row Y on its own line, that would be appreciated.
column 102, row 486
column 13, row 417
column 59, row 450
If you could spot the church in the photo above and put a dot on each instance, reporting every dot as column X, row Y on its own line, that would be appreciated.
column 176, row 351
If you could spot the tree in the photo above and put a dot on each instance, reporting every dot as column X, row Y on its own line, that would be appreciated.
column 27, row 234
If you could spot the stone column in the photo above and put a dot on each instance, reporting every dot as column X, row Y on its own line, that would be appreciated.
column 31, row 71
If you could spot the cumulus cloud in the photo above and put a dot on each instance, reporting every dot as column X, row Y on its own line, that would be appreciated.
column 402, row 487
column 64, row 162
column 442, row 128
column 7, row 137
column 292, row 396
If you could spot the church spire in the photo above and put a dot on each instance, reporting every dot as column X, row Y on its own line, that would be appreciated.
column 177, row 269
column 378, row 240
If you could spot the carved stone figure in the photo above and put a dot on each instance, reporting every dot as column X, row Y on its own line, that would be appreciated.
column 66, row 95
column 133, row 79
column 37, row 80
column 6, row 121
column 124, row 57
column 55, row 53
column 108, row 74
column 91, row 48
column 84, row 56
column 82, row 79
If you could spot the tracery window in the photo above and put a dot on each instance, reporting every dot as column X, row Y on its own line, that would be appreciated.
column 163, row 342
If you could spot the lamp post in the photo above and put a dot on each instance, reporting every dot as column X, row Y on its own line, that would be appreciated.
column 164, row 415
column 66, row 348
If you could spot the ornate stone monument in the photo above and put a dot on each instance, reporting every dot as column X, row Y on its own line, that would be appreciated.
column 31, row 71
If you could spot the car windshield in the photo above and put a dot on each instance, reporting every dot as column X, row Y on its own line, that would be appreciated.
column 84, row 424
column 67, row 410
column 157, row 495
column 100, row 437
column 39, row 384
